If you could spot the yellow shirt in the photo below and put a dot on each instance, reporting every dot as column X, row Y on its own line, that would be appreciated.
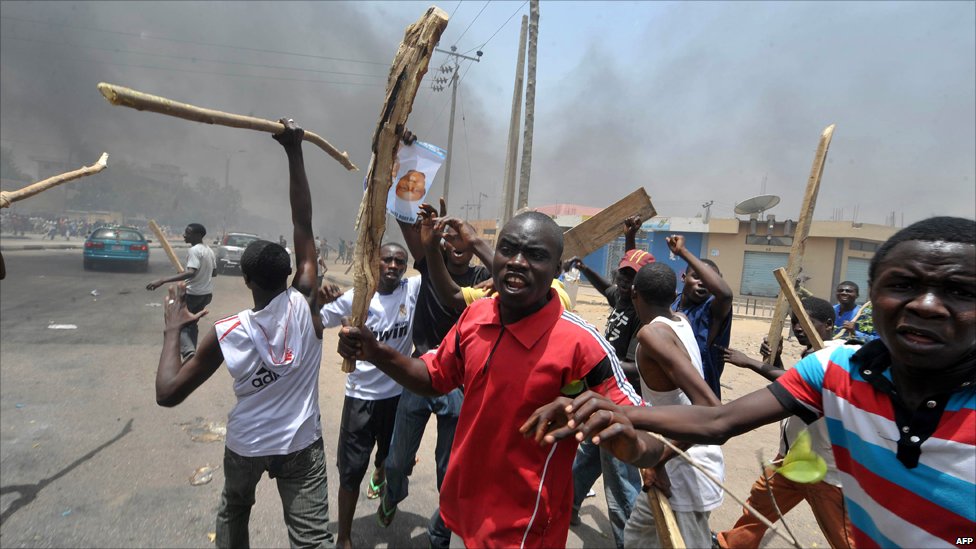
column 470, row 294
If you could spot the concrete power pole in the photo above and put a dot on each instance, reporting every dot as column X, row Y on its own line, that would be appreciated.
column 513, row 129
column 455, row 78
column 523, row 196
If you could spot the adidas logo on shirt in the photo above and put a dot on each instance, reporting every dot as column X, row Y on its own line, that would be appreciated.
column 264, row 377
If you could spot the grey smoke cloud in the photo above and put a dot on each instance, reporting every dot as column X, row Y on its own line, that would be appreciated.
column 709, row 100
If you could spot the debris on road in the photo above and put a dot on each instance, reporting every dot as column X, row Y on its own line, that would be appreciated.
column 203, row 475
column 62, row 327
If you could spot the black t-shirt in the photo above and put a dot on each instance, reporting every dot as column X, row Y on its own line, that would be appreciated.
column 433, row 320
column 622, row 325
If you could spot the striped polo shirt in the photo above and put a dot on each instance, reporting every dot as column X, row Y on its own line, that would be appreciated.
column 909, row 476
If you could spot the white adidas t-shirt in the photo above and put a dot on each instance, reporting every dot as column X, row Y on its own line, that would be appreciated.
column 274, row 357
column 390, row 318
column 202, row 259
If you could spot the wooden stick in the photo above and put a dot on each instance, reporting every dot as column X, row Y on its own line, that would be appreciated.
column 854, row 320
column 664, row 522
column 126, row 97
column 795, row 261
column 607, row 225
column 719, row 483
column 9, row 197
column 166, row 247
column 409, row 67
column 786, row 289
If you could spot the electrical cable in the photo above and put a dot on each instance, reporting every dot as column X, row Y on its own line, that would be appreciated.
column 194, row 59
column 146, row 36
column 472, row 22
column 212, row 73
column 485, row 43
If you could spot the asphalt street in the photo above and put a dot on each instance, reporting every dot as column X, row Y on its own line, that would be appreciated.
column 87, row 458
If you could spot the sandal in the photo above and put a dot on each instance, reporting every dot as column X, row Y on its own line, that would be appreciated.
column 384, row 517
column 375, row 490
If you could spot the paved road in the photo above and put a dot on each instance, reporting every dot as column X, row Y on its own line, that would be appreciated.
column 88, row 459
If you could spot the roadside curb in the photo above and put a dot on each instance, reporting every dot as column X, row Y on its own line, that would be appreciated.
column 72, row 246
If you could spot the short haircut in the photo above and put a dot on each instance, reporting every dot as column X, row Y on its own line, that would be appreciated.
column 547, row 226
column 850, row 283
column 267, row 264
column 656, row 283
column 396, row 245
column 197, row 228
column 933, row 229
column 708, row 262
column 819, row 309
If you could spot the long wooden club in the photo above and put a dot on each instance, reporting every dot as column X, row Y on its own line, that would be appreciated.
column 127, row 97
column 9, row 197
column 408, row 69
column 795, row 260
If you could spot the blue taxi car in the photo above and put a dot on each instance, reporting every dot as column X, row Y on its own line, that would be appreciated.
column 117, row 245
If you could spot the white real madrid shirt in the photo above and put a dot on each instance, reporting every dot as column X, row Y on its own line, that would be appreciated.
column 390, row 318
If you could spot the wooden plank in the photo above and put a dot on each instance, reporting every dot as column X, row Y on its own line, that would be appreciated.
column 786, row 287
column 667, row 527
column 795, row 261
column 166, row 247
column 588, row 236
column 409, row 67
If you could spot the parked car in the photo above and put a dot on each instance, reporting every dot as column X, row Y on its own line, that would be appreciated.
column 229, row 250
column 116, row 245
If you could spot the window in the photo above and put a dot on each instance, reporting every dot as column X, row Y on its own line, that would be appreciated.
column 863, row 246
column 762, row 240
column 489, row 231
column 240, row 241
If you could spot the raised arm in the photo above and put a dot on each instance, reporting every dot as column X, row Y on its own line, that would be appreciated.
column 300, row 199
column 411, row 231
column 631, row 225
column 448, row 291
column 722, row 305
column 464, row 237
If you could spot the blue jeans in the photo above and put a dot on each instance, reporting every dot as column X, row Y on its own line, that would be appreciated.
column 621, row 484
column 411, row 420
column 302, row 486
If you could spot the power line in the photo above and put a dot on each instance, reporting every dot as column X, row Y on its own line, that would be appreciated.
column 146, row 36
column 194, row 59
column 449, row 17
column 485, row 43
column 472, row 22
column 212, row 73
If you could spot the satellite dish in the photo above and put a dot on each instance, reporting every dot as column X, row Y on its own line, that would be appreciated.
column 756, row 205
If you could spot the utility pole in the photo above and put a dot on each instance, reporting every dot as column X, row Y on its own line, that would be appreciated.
column 708, row 208
column 455, row 79
column 513, row 129
column 523, row 198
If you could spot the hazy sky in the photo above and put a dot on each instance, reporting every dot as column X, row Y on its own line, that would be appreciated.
column 695, row 101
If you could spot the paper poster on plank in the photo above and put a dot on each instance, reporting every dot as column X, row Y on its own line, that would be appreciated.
column 415, row 168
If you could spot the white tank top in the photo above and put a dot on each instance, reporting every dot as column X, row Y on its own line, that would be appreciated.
column 690, row 489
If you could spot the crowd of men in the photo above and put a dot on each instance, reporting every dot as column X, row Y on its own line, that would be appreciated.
column 526, row 389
